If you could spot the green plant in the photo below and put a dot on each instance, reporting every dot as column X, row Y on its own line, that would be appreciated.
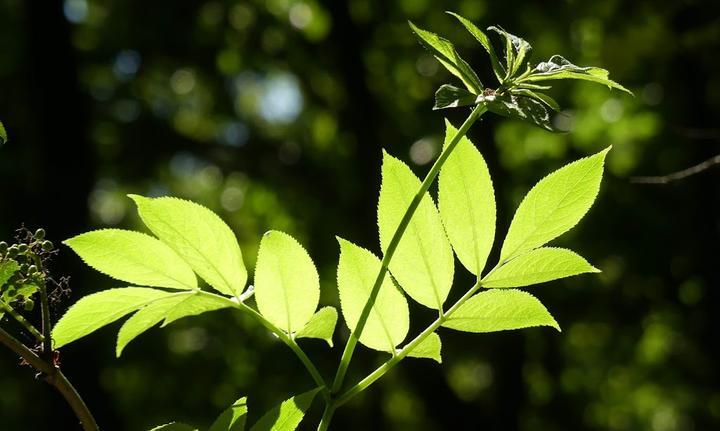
column 419, row 242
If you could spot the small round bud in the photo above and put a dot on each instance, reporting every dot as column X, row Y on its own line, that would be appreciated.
column 29, row 304
column 32, row 269
column 47, row 245
column 3, row 247
column 12, row 251
column 40, row 234
column 24, row 267
column 22, row 248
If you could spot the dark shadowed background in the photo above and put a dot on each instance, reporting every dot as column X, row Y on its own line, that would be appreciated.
column 273, row 113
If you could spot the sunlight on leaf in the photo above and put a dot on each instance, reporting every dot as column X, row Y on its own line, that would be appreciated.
column 321, row 325
column 429, row 348
column 233, row 418
column 288, row 415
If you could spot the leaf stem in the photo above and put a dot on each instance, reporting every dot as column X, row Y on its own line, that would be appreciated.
column 21, row 320
column 478, row 111
column 390, row 363
column 54, row 377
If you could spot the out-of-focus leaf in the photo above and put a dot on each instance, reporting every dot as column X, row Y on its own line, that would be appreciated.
column 287, row 285
column 557, row 67
column 133, row 257
column 200, row 237
column 449, row 96
column 3, row 134
column 485, row 42
column 554, row 205
column 288, row 415
column 538, row 266
column 321, row 325
column 233, row 418
column 520, row 108
column 500, row 310
column 444, row 51
column 429, row 348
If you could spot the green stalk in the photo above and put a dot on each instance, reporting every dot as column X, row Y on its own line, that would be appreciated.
column 21, row 320
column 424, row 187
column 285, row 338
column 55, row 377
column 390, row 363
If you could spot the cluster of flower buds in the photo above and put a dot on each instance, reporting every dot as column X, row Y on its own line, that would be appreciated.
column 22, row 267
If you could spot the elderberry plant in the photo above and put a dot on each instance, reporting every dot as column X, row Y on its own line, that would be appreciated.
column 418, row 245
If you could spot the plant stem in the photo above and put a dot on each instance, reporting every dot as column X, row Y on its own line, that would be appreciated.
column 384, row 368
column 327, row 416
column 21, row 320
column 424, row 187
column 55, row 377
column 285, row 338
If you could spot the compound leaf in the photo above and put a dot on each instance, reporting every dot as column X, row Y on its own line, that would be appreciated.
column 287, row 285
column 200, row 237
column 554, row 205
column 467, row 203
column 94, row 311
column 288, row 415
column 321, row 325
column 423, row 262
column 233, row 418
column 429, row 348
column 538, row 266
column 389, row 319
column 444, row 51
column 133, row 257
column 500, row 310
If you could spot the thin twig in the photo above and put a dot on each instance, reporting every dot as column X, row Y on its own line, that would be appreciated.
column 707, row 164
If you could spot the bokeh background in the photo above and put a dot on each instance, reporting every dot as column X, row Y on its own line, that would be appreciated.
column 273, row 113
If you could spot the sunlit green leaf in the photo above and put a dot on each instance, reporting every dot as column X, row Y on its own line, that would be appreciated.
column 288, row 415
column 500, row 310
column 444, row 51
column 485, row 42
column 538, row 266
column 321, row 325
column 516, row 48
column 554, row 205
column 449, row 96
column 467, row 203
column 3, row 134
column 389, row 319
column 429, row 348
column 167, row 309
column 520, row 108
column 94, row 311
column 233, row 418
column 557, row 67
column 8, row 268
column 133, row 257
column 423, row 262
column 200, row 237
column 287, row 285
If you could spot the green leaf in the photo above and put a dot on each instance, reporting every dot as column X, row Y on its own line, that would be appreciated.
column 423, row 262
column 287, row 285
column 485, row 42
column 467, row 203
column 554, row 205
column 557, row 67
column 449, row 96
column 169, row 309
column 389, row 319
column 541, row 97
column 200, row 237
column 321, row 325
column 133, row 257
column 94, row 311
column 3, row 134
column 18, row 292
column 286, row 416
column 538, row 266
column 233, row 418
column 516, row 48
column 8, row 268
column 500, row 310
column 520, row 108
column 174, row 426
column 429, row 348
column 444, row 51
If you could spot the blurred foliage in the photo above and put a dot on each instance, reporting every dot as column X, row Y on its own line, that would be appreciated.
column 273, row 114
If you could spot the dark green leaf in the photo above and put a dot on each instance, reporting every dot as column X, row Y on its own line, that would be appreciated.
column 444, row 51
column 449, row 96
column 557, row 67
column 541, row 97
column 516, row 48
column 520, row 108
column 485, row 42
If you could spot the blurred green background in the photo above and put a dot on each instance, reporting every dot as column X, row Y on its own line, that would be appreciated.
column 273, row 113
